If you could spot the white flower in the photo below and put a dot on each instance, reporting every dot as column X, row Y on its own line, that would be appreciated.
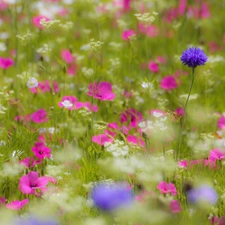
column 32, row 82
column 67, row 104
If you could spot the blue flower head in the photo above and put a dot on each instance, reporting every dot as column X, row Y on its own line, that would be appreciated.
column 203, row 193
column 35, row 221
column 193, row 57
column 109, row 197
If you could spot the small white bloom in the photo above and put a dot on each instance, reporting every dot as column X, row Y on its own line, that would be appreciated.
column 32, row 82
column 67, row 104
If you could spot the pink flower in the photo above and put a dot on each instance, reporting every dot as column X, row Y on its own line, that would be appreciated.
column 152, row 31
column 153, row 67
column 101, row 139
column 5, row 63
column 216, row 154
column 132, row 116
column 182, row 7
column 179, row 112
column 221, row 122
column 166, row 188
column 41, row 151
column 168, row 83
column 113, row 125
column 218, row 220
column 67, row 56
column 175, row 206
column 44, row 86
column 3, row 6
column 71, row 70
column 68, row 102
column 40, row 116
column 36, row 21
column 102, row 91
column 2, row 200
column 126, row 5
column 29, row 183
column 17, row 205
column 126, row 35
column 135, row 140
column 30, row 162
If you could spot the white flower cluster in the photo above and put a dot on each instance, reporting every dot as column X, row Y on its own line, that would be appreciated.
column 158, row 128
column 215, row 59
column 24, row 39
column 49, row 26
column 44, row 49
column 115, row 63
column 146, row 18
column 118, row 148
column 96, row 45
column 115, row 46
column 67, row 26
column 50, row 130
column 88, row 72
column 5, row 93
column 3, row 47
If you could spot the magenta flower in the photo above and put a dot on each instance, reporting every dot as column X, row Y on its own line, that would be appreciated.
column 101, row 139
column 166, row 188
column 132, row 116
column 135, row 140
column 216, row 154
column 102, row 91
column 41, row 151
column 17, row 205
column 126, row 5
column 44, row 86
column 40, row 116
column 127, row 34
column 179, row 112
column 29, row 183
column 175, row 206
column 168, row 83
column 30, row 162
column 2, row 200
column 221, row 122
column 67, row 56
column 153, row 67
column 71, row 70
column 5, row 63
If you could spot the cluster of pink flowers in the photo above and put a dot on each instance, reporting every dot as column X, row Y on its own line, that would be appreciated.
column 71, row 103
column 45, row 86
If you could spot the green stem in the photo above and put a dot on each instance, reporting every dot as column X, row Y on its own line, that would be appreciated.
column 182, row 119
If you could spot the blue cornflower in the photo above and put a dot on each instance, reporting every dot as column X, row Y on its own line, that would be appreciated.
column 109, row 197
column 203, row 193
column 193, row 57
column 36, row 221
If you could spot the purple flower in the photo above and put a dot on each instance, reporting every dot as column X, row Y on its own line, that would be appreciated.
column 193, row 57
column 36, row 221
column 109, row 197
column 203, row 193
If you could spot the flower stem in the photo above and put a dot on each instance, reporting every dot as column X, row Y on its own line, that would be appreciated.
column 182, row 119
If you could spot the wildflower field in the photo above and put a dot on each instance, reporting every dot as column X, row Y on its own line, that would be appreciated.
column 112, row 112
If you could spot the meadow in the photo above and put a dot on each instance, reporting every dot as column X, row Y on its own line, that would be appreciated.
column 112, row 112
